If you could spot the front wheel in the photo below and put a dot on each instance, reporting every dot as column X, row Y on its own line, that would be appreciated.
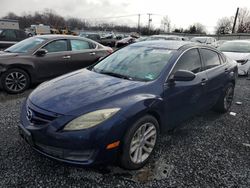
column 15, row 81
column 225, row 101
column 139, row 143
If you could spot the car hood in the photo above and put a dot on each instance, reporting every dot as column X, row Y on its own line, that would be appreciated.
column 237, row 56
column 4, row 55
column 80, row 89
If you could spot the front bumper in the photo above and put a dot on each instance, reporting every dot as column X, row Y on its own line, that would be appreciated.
column 57, row 153
column 86, row 147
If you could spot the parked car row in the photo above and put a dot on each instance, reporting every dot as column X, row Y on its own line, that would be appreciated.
column 205, row 40
column 107, row 40
column 238, row 50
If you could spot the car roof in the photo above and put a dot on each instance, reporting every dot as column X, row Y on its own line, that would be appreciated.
column 89, row 33
column 245, row 41
column 201, row 37
column 53, row 36
column 166, row 36
column 170, row 44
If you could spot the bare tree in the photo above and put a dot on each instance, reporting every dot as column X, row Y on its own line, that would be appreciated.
column 224, row 25
column 196, row 28
column 243, row 18
column 166, row 22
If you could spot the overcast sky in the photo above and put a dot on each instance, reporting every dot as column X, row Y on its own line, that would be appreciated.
column 182, row 13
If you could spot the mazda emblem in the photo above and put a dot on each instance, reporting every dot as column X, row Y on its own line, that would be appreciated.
column 29, row 114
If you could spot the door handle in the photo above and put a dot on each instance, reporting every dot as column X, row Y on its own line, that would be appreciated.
column 203, row 81
column 92, row 53
column 226, row 70
column 66, row 57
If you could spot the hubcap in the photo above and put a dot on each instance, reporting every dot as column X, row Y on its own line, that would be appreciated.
column 228, row 98
column 143, row 143
column 15, row 81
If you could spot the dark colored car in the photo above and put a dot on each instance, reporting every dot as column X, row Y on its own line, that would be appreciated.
column 117, row 108
column 9, row 37
column 124, row 42
column 40, row 58
column 108, row 40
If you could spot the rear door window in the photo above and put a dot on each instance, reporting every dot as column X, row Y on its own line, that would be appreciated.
column 57, row 46
column 189, row 61
column 210, row 58
column 77, row 45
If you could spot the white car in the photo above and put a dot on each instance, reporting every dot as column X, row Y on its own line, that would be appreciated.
column 211, row 41
column 238, row 50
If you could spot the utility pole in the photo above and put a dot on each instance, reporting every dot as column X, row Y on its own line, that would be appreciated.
column 149, row 20
column 235, row 19
column 139, row 18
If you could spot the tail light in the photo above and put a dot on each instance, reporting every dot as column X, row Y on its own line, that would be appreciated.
column 110, row 51
column 242, row 62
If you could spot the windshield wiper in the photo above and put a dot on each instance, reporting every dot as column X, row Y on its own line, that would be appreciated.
column 116, row 75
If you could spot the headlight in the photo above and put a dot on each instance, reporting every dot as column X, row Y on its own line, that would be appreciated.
column 90, row 119
column 242, row 62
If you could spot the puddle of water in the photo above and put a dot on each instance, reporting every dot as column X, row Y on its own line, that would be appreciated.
column 158, row 171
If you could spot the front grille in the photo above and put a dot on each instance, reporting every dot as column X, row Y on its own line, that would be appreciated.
column 65, row 153
column 38, row 118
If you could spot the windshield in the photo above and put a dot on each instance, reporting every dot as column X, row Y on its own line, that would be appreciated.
column 242, row 47
column 201, row 40
column 135, row 63
column 25, row 45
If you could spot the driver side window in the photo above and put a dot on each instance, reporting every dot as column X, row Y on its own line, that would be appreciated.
column 57, row 46
column 189, row 61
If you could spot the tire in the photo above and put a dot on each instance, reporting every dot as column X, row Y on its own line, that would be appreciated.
column 225, row 101
column 132, row 160
column 15, row 81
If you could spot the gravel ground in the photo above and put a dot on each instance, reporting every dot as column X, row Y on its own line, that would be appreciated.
column 211, row 150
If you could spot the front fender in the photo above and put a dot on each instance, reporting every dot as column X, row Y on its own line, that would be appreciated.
column 29, row 68
column 142, row 105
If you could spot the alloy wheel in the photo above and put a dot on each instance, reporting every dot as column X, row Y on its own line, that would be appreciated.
column 228, row 99
column 15, row 81
column 143, row 143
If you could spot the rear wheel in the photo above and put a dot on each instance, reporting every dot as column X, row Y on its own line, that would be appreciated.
column 15, row 81
column 225, row 101
column 139, row 143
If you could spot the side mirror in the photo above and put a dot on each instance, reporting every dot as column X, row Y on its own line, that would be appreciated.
column 41, row 52
column 182, row 75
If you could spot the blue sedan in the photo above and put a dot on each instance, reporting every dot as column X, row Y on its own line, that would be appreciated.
column 116, row 109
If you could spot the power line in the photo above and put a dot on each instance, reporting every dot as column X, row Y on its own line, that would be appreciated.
column 131, row 15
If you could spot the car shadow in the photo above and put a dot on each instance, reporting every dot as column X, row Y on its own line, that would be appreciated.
column 4, row 96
